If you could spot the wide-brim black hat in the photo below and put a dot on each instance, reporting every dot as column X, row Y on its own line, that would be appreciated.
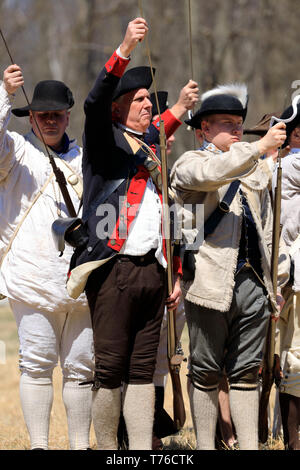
column 133, row 79
column 48, row 95
column 290, row 126
column 162, row 97
column 263, row 125
column 224, row 99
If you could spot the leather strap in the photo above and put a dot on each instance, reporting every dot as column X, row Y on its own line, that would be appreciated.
column 109, row 187
column 38, row 194
column 72, row 178
column 294, row 246
column 222, row 209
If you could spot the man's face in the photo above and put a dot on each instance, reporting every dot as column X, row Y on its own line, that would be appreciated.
column 223, row 130
column 134, row 110
column 52, row 125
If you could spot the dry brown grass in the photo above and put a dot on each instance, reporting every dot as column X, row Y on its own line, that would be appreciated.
column 13, row 432
column 185, row 439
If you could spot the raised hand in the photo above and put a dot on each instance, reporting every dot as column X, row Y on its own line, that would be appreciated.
column 188, row 97
column 13, row 78
column 136, row 32
column 274, row 138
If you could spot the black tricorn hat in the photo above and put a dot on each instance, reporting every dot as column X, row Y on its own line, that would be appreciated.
column 290, row 126
column 224, row 99
column 48, row 95
column 133, row 79
column 263, row 125
column 163, row 104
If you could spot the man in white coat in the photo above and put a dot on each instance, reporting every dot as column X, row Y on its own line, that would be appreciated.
column 50, row 324
column 228, row 294
column 288, row 341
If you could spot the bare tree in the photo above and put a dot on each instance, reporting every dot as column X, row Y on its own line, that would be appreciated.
column 254, row 41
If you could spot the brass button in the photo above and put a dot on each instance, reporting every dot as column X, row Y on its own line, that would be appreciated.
column 73, row 179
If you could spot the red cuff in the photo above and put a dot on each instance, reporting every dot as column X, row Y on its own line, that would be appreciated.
column 170, row 121
column 116, row 65
column 177, row 266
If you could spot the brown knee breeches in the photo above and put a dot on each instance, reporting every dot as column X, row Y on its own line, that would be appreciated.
column 126, row 300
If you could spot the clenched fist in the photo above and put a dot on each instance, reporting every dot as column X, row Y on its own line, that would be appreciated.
column 274, row 138
column 136, row 32
column 13, row 78
column 188, row 97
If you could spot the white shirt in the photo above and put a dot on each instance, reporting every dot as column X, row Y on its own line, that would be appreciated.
column 145, row 230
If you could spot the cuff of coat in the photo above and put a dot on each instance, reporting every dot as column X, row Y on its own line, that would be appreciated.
column 170, row 121
column 177, row 266
column 5, row 97
column 116, row 65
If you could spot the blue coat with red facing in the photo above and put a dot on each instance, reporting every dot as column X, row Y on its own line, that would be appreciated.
column 108, row 156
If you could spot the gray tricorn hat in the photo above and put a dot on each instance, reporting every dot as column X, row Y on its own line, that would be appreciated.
column 162, row 98
column 224, row 99
column 263, row 125
column 290, row 126
column 48, row 95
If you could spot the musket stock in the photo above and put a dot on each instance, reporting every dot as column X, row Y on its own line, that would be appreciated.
column 175, row 354
column 269, row 356
column 173, row 348
column 179, row 415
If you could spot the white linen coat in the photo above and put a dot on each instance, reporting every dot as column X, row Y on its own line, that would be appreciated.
column 202, row 177
column 32, row 270
column 288, row 340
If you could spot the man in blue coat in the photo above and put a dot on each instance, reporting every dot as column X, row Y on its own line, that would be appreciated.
column 125, row 255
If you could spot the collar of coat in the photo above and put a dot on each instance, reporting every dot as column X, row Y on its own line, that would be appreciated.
column 131, row 131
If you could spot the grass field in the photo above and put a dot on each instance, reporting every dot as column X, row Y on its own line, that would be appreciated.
column 13, row 432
